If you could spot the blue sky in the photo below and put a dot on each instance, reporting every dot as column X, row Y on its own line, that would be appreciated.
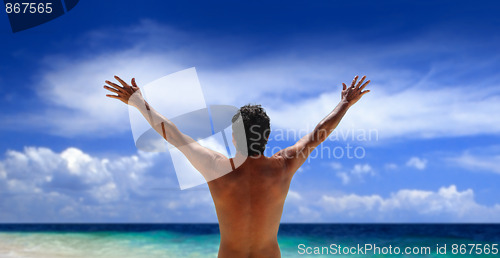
column 67, row 152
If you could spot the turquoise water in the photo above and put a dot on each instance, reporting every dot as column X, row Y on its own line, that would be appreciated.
column 107, row 244
column 202, row 240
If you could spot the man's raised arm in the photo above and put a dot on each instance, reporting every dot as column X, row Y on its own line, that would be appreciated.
column 206, row 161
column 297, row 154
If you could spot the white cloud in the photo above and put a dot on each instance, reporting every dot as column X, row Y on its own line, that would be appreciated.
column 486, row 162
column 445, row 205
column 359, row 171
column 71, row 171
column 362, row 169
column 344, row 177
column 74, row 186
column 336, row 165
column 297, row 208
column 403, row 102
column 415, row 112
column 417, row 163
column 351, row 202
column 294, row 196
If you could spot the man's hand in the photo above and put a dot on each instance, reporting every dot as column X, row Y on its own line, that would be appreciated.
column 354, row 93
column 123, row 93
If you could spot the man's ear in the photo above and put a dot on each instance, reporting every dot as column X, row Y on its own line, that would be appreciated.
column 267, row 134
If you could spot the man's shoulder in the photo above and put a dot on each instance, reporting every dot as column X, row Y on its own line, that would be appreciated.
column 276, row 164
column 276, row 160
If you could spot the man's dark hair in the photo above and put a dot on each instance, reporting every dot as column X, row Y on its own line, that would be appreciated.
column 257, row 129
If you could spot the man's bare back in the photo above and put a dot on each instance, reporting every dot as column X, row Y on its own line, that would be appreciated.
column 249, row 200
column 249, row 203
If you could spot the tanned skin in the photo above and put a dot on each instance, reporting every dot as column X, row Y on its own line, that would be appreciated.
column 249, row 200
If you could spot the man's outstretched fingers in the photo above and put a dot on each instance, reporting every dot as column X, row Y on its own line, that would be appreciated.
column 113, row 96
column 354, row 81
column 118, row 87
column 360, row 81
column 111, row 89
column 125, row 85
column 364, row 85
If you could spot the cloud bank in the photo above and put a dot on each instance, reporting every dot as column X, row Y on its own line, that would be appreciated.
column 447, row 204
column 73, row 186
column 297, row 89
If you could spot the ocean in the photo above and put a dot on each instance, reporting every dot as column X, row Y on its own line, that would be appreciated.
column 295, row 240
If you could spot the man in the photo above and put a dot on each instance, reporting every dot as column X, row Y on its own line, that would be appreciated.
column 249, row 200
